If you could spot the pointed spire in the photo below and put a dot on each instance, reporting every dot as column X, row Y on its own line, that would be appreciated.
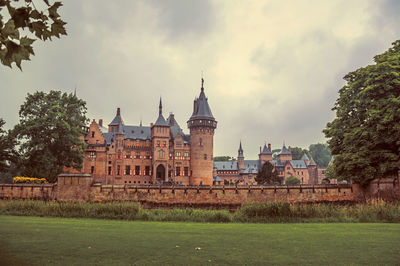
column 140, row 121
column 75, row 91
column 160, row 120
column 160, row 107
column 240, row 151
column 202, row 84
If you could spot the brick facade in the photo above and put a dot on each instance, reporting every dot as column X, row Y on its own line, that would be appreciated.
column 156, row 154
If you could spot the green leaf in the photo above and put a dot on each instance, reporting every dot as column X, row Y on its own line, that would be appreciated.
column 9, row 30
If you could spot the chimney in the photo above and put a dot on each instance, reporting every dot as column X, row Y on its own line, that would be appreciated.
column 118, row 111
column 269, row 146
column 101, row 122
column 172, row 119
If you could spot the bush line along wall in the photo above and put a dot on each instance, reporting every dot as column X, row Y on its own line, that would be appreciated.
column 78, row 187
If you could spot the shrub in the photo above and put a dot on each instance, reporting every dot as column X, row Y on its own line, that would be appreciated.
column 29, row 180
column 291, row 180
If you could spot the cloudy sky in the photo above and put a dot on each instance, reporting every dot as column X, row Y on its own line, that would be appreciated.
column 272, row 69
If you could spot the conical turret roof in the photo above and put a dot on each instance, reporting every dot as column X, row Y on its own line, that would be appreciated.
column 202, row 109
column 266, row 150
column 312, row 162
column 161, row 120
column 285, row 150
column 305, row 157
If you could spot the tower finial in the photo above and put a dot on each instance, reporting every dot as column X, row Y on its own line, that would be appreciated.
column 202, row 81
column 160, row 107
column 75, row 91
column 140, row 121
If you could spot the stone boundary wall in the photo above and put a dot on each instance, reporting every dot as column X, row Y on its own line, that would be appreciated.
column 80, row 187
column 28, row 191
column 219, row 196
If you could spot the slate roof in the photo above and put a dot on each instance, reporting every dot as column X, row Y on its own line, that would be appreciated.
column 116, row 121
column 299, row 164
column 279, row 163
column 202, row 109
column 174, row 126
column 251, row 166
column 175, row 129
column 285, row 150
column 305, row 157
column 266, row 150
column 137, row 132
column 109, row 136
column 161, row 121
column 226, row 165
column 312, row 162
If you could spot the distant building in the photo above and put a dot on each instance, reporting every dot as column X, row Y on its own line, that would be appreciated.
column 243, row 172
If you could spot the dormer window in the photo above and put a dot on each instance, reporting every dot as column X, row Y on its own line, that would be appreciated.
column 92, row 134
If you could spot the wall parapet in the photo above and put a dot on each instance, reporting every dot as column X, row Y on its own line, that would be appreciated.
column 80, row 187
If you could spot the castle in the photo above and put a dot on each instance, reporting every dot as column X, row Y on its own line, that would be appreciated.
column 122, row 154
column 243, row 172
column 162, row 152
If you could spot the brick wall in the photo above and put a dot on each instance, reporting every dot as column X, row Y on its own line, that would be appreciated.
column 80, row 187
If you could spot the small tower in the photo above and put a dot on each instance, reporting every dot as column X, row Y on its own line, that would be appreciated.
column 160, row 147
column 202, row 125
column 285, row 154
column 240, row 158
column 312, row 172
column 265, row 155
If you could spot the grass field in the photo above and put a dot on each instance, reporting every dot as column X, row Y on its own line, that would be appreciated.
column 61, row 241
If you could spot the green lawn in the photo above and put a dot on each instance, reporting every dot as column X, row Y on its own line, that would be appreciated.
column 60, row 241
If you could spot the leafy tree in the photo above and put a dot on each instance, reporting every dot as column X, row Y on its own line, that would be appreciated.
column 291, row 180
column 7, row 152
column 365, row 135
column 298, row 152
column 224, row 158
column 267, row 175
column 15, row 45
column 321, row 154
column 50, row 130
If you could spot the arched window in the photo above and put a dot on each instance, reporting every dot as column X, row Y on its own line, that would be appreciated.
column 201, row 142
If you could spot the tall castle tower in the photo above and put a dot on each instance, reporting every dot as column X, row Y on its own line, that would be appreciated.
column 202, row 125
column 160, row 140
